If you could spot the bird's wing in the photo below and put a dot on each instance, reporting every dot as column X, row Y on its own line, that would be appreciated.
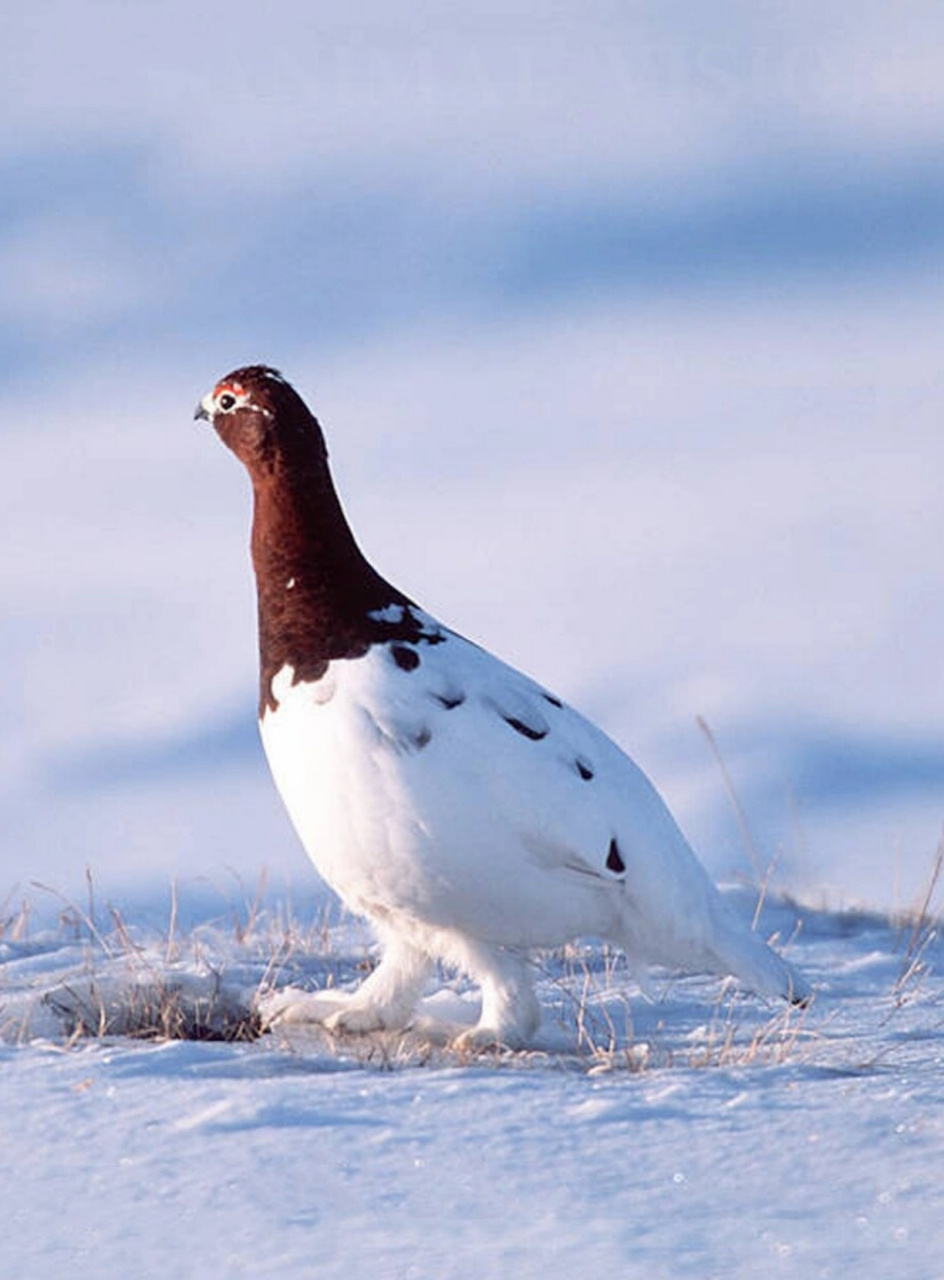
column 507, row 780
column 577, row 802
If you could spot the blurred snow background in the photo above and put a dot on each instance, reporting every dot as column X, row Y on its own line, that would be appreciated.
column 625, row 325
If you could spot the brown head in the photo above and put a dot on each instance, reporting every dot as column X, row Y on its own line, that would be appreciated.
column 258, row 415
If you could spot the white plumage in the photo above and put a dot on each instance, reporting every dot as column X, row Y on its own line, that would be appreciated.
column 468, row 813
column 463, row 838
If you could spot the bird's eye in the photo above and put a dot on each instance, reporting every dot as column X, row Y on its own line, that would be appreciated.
column 226, row 401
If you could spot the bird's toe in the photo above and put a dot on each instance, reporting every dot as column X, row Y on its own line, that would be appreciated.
column 361, row 1020
column 484, row 1039
column 290, row 1005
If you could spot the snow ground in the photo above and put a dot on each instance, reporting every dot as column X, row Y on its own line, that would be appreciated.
column 729, row 1140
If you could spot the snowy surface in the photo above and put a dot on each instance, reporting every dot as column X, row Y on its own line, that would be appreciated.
column 712, row 1137
column 625, row 326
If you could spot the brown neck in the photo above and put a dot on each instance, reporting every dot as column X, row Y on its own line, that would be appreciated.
column 316, row 590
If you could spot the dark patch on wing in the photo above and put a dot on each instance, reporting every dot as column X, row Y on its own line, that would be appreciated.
column 614, row 859
column 406, row 659
column 549, row 697
column 526, row 730
column 584, row 769
column 449, row 701
column 421, row 738
column 408, row 627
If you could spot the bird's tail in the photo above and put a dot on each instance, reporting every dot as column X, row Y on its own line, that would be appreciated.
column 744, row 954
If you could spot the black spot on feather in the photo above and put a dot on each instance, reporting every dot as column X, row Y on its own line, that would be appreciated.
column 583, row 769
column 447, row 701
column 406, row 659
column 525, row 730
column 614, row 859
column 555, row 702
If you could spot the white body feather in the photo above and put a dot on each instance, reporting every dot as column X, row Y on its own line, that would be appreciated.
column 471, row 818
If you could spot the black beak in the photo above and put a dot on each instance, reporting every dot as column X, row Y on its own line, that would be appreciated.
column 200, row 412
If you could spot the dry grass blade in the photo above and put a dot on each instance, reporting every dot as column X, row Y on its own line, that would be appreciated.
column 773, row 1043
column 744, row 826
column 14, row 924
column 169, row 950
column 921, row 924
column 76, row 913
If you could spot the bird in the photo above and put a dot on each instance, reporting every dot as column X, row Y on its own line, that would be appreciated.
column 471, row 815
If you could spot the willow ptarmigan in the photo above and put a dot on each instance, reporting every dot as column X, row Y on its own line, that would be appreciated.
column 466, row 811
